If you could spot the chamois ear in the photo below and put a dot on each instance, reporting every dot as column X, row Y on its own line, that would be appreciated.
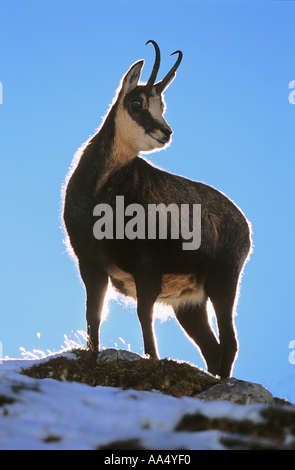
column 131, row 78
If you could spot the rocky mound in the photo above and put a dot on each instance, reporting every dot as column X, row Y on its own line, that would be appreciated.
column 124, row 369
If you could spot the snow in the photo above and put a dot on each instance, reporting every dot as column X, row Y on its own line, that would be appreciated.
column 48, row 414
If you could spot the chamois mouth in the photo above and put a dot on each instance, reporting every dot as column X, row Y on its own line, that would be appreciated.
column 161, row 140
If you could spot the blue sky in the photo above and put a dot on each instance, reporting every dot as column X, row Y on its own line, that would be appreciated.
column 61, row 62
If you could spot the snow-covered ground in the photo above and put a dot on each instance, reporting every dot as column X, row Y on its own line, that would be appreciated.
column 47, row 414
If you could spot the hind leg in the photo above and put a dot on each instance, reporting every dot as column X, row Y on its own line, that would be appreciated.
column 228, row 343
column 222, row 292
column 194, row 320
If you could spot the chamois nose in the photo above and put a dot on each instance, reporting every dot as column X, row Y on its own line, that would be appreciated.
column 166, row 132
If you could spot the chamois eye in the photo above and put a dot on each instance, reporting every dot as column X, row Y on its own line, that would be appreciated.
column 136, row 104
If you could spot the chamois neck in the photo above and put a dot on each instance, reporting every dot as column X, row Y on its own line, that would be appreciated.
column 109, row 151
column 106, row 152
column 122, row 152
column 112, row 141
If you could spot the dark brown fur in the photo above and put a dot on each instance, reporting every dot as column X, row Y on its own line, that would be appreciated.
column 155, row 270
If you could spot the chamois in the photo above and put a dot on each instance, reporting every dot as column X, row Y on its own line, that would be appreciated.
column 154, row 270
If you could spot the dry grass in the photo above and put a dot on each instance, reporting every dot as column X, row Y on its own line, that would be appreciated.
column 167, row 376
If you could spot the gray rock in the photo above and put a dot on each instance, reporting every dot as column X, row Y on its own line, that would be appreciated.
column 112, row 354
column 128, row 355
column 237, row 391
column 108, row 355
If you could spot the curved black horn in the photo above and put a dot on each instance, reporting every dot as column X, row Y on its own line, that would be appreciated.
column 153, row 76
column 170, row 75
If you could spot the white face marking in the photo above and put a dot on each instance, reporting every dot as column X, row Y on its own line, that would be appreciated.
column 156, row 109
column 131, row 134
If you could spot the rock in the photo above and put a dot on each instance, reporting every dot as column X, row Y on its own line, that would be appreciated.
column 108, row 355
column 124, row 355
column 112, row 354
column 237, row 391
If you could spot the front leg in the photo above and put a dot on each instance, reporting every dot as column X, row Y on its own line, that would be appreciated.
column 96, row 284
column 148, row 287
column 145, row 312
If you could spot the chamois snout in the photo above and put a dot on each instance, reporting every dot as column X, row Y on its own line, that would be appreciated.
column 162, row 135
column 167, row 133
